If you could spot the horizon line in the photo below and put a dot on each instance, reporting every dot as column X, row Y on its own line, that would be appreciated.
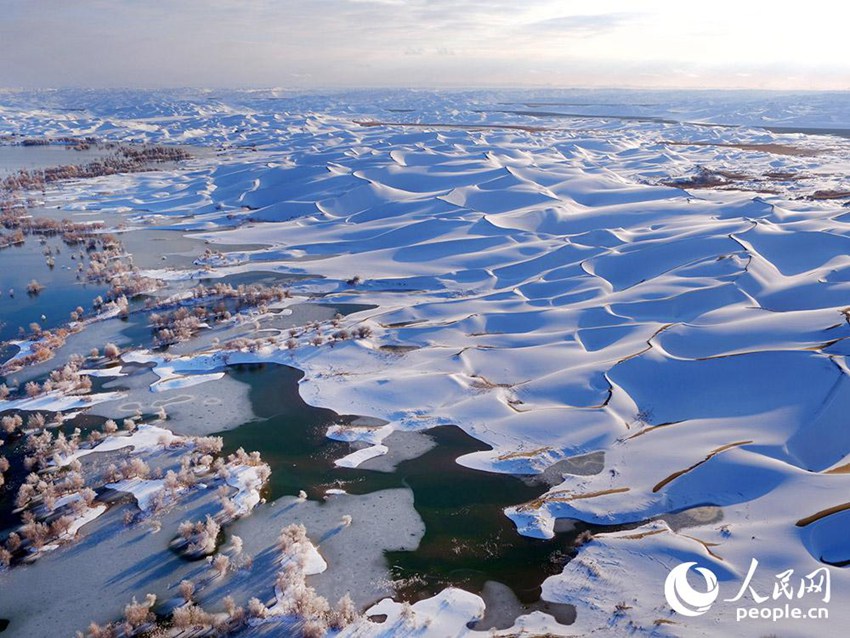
column 446, row 87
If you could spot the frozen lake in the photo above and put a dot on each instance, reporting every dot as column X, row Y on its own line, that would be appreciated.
column 16, row 157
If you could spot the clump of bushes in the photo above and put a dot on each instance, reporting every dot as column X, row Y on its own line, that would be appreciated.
column 210, row 305
column 34, row 288
column 197, row 539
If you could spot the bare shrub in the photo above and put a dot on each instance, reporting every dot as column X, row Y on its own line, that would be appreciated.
column 292, row 536
column 199, row 538
column 257, row 609
column 13, row 542
column 314, row 628
column 191, row 615
column 236, row 545
column 137, row 614
column 186, row 589
column 344, row 614
column 583, row 538
column 221, row 563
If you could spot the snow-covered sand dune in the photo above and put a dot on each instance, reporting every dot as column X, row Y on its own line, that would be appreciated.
column 557, row 294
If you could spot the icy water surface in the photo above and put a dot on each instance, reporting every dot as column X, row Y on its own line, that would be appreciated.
column 62, row 293
column 15, row 157
column 468, row 539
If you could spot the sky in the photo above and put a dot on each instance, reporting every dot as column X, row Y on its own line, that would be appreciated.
column 424, row 43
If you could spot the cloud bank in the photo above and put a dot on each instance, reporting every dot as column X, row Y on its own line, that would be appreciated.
column 442, row 43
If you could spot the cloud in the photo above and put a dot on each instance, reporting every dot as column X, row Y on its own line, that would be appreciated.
column 586, row 25
column 330, row 43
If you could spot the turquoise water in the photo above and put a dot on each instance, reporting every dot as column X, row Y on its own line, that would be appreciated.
column 468, row 539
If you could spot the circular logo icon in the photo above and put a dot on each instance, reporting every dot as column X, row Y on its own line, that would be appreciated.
column 683, row 598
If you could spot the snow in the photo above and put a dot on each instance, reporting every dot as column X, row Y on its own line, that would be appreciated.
column 146, row 437
column 113, row 371
column 87, row 516
column 187, row 381
column 143, row 490
column 55, row 401
column 446, row 614
column 555, row 293
column 361, row 456
column 365, row 434
column 313, row 561
column 247, row 482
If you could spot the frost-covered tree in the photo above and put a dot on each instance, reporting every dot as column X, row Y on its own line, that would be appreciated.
column 186, row 589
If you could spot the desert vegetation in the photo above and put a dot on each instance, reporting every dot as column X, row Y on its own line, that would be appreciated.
column 199, row 538
column 107, row 264
column 42, row 344
column 70, row 143
column 296, row 607
column 67, row 380
column 100, row 256
column 123, row 159
column 832, row 193
column 13, row 188
column 178, row 320
column 58, row 493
